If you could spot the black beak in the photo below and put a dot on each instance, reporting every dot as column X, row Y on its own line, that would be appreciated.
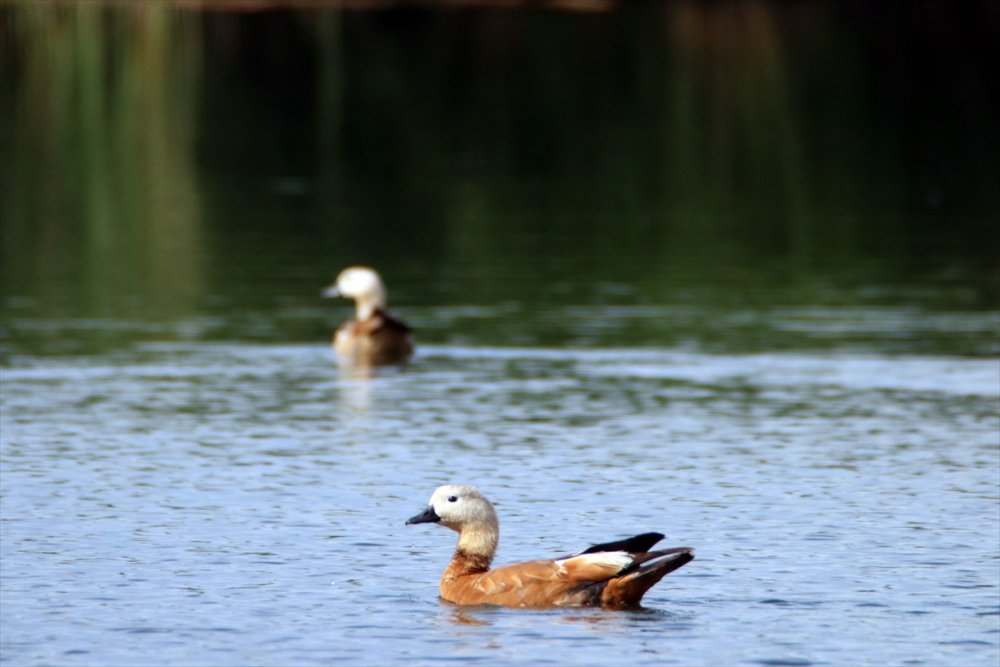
column 427, row 516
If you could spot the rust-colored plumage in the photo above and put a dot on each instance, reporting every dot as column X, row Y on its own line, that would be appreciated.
column 379, row 340
column 373, row 337
column 613, row 574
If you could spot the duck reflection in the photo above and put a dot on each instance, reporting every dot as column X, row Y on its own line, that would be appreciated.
column 460, row 616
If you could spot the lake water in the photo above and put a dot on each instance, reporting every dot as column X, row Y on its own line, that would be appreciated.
column 666, row 274
column 220, row 504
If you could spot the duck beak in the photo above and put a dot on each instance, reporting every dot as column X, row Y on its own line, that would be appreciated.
column 427, row 516
column 331, row 292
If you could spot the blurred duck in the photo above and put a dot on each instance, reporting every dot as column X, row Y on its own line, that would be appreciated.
column 612, row 575
column 373, row 337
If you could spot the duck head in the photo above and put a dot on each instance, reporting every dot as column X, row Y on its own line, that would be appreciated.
column 361, row 284
column 458, row 507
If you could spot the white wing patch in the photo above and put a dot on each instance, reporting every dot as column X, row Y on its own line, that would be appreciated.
column 616, row 559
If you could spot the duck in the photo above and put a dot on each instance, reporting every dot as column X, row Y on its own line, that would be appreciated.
column 612, row 575
column 373, row 337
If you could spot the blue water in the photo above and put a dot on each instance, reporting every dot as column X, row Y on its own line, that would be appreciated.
column 221, row 504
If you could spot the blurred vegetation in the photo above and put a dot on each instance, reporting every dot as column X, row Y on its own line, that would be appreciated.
column 183, row 158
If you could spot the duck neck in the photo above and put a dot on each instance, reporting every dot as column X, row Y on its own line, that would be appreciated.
column 366, row 306
column 477, row 545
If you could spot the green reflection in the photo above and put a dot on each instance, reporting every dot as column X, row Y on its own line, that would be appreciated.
column 101, row 210
column 182, row 163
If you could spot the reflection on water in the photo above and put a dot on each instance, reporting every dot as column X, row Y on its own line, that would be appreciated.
column 460, row 616
column 163, row 161
column 358, row 386
column 101, row 205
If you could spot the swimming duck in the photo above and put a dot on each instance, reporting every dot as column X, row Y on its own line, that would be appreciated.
column 373, row 337
column 613, row 574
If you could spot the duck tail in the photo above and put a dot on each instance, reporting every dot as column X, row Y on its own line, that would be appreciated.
column 627, row 589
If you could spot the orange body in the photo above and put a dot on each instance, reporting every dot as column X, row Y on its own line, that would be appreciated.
column 583, row 580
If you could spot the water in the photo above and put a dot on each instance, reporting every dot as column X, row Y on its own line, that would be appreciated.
column 725, row 271
column 244, row 504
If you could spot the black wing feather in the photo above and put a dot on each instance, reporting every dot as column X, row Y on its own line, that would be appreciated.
column 633, row 545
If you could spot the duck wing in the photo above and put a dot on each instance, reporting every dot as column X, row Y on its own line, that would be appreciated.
column 389, row 322
column 632, row 545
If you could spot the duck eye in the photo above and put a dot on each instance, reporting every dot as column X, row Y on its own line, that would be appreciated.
column 452, row 499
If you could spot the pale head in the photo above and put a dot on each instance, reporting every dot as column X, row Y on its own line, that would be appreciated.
column 458, row 507
column 361, row 284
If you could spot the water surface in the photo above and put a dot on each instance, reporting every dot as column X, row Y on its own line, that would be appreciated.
column 244, row 504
